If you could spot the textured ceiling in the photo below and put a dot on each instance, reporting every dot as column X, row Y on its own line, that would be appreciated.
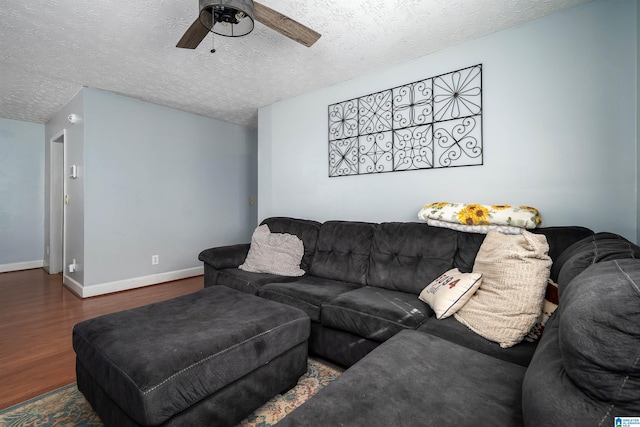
column 49, row 49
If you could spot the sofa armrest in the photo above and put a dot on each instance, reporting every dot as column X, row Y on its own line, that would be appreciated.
column 225, row 256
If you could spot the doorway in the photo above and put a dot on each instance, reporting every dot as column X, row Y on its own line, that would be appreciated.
column 57, row 214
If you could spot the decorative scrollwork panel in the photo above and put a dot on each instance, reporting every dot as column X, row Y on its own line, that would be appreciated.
column 458, row 94
column 412, row 104
column 375, row 113
column 458, row 143
column 343, row 120
column 376, row 153
column 343, row 157
column 431, row 123
column 413, row 148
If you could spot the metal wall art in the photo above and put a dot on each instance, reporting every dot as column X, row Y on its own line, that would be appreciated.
column 433, row 123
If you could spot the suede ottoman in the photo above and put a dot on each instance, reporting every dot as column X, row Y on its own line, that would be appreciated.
column 210, row 358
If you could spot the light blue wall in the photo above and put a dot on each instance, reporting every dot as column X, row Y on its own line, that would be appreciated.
column 21, row 192
column 638, row 119
column 161, row 181
column 559, row 130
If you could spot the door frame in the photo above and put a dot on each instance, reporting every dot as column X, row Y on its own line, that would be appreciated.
column 57, row 207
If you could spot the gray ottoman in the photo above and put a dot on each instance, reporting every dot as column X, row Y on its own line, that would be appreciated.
column 207, row 358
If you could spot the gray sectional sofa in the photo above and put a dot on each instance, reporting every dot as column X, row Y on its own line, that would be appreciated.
column 405, row 367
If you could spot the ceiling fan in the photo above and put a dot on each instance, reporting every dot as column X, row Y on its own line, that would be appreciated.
column 234, row 18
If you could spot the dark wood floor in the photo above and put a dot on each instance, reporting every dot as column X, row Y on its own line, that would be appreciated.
column 37, row 314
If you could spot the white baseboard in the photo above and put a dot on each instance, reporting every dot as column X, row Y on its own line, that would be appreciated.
column 72, row 285
column 4, row 268
column 127, row 284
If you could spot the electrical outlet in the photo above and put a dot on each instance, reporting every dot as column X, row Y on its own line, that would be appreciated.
column 155, row 259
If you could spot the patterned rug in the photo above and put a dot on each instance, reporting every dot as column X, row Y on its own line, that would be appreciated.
column 67, row 407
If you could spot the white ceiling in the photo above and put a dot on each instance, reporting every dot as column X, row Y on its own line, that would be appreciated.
column 49, row 49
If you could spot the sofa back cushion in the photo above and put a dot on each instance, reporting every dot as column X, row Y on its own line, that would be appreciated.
column 586, row 369
column 558, row 238
column 407, row 256
column 306, row 230
column 468, row 247
column 591, row 250
column 342, row 251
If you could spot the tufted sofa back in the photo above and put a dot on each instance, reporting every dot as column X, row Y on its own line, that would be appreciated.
column 403, row 256
column 342, row 251
column 406, row 256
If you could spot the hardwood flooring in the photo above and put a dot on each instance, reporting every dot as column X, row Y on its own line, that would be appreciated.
column 37, row 315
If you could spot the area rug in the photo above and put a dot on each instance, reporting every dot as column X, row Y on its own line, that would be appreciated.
column 67, row 407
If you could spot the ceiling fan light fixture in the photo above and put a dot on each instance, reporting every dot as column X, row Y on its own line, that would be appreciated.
column 237, row 14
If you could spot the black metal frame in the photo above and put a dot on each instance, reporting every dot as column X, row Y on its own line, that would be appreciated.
column 428, row 124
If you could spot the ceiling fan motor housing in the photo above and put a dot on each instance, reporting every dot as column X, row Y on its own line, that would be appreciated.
column 229, row 18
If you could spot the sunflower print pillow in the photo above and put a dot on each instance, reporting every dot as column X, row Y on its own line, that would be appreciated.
column 472, row 214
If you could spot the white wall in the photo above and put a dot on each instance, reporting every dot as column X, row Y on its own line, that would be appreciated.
column 159, row 181
column 559, row 130
column 21, row 195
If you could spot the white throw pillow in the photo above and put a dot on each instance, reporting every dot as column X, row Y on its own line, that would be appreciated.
column 274, row 253
column 449, row 292
column 515, row 270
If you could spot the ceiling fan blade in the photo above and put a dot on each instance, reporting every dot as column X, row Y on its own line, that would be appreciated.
column 196, row 33
column 284, row 25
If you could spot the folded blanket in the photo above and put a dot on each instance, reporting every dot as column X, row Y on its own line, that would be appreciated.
column 480, row 229
column 474, row 215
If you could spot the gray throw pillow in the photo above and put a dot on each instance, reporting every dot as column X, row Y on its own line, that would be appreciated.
column 274, row 253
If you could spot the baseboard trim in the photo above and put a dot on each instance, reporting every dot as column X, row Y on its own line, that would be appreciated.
column 133, row 283
column 72, row 285
column 17, row 266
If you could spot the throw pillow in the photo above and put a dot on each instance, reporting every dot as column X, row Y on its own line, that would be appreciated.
column 549, row 306
column 274, row 253
column 449, row 292
column 515, row 271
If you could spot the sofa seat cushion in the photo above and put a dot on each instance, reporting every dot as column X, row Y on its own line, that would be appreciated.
column 247, row 281
column 375, row 313
column 407, row 256
column 415, row 379
column 454, row 331
column 307, row 293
